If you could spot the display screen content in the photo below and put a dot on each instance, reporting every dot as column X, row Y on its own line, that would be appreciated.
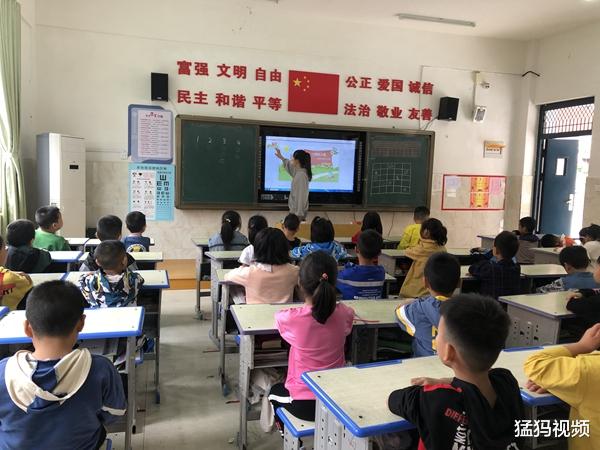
column 333, row 163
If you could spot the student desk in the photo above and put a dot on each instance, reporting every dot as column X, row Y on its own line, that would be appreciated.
column 487, row 240
column 389, row 258
column 39, row 278
column 105, row 323
column 224, row 306
column 254, row 320
column 391, row 242
column 546, row 255
column 201, row 244
column 530, row 273
column 536, row 318
column 346, row 241
column 150, row 297
column 68, row 257
column 352, row 402
column 96, row 242
column 148, row 259
column 77, row 243
column 218, row 260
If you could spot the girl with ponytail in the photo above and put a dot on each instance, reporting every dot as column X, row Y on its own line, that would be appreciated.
column 229, row 238
column 316, row 333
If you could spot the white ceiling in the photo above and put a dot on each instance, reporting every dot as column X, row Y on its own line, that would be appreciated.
column 507, row 19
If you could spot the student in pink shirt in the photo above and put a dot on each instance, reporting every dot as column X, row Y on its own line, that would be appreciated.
column 316, row 333
column 271, row 279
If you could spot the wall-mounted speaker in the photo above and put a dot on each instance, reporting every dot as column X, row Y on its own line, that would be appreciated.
column 159, row 86
column 448, row 108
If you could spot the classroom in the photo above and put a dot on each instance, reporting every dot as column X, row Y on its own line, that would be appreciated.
column 266, row 224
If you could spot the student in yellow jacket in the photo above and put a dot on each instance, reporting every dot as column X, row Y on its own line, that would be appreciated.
column 433, row 239
column 13, row 285
column 572, row 373
column 412, row 233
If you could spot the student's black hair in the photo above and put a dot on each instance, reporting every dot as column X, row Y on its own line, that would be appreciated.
column 303, row 158
column 507, row 244
column 318, row 274
column 442, row 271
column 45, row 216
column 576, row 256
column 593, row 232
column 291, row 222
column 109, row 254
column 421, row 213
column 372, row 221
column 369, row 244
column 477, row 327
column 528, row 223
column 271, row 247
column 54, row 308
column 255, row 224
column 109, row 227
column 20, row 232
column 321, row 230
column 437, row 231
column 230, row 221
column 135, row 221
column 550, row 241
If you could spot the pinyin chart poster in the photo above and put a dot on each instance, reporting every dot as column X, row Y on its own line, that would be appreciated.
column 152, row 190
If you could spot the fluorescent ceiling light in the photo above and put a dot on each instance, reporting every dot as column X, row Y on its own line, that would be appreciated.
column 463, row 23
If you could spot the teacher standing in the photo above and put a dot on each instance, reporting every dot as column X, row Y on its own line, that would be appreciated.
column 299, row 169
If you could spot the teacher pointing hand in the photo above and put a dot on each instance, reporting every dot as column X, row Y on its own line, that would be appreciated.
column 299, row 169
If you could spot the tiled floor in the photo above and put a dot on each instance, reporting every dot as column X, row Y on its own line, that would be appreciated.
column 193, row 414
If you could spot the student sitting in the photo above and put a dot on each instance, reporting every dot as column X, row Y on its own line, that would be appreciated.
column 322, row 237
column 108, row 228
column 291, row 225
column 550, row 241
column 586, row 304
column 113, row 284
column 590, row 239
column 255, row 224
column 412, row 233
column 433, row 239
column 22, row 256
column 316, row 333
column 229, row 238
column 371, row 221
column 56, row 397
column 271, row 279
column 14, row 286
column 575, row 260
column 135, row 222
column 366, row 279
column 477, row 408
column 500, row 275
column 572, row 373
column 49, row 220
column 420, row 318
column 527, row 240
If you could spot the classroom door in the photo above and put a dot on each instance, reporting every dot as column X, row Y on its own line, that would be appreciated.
column 558, row 195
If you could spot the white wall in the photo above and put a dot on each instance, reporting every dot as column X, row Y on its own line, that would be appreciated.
column 93, row 59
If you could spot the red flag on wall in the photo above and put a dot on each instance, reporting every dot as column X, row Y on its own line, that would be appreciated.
column 313, row 92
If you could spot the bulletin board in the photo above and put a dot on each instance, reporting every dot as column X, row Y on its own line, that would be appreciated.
column 473, row 192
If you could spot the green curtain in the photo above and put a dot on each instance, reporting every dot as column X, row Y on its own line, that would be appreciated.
column 12, row 203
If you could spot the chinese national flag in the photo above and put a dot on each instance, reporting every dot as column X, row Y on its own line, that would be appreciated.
column 313, row 92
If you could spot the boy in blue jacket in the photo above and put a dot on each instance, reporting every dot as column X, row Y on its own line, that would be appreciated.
column 56, row 397
column 322, row 237
column 576, row 261
column 366, row 279
column 420, row 318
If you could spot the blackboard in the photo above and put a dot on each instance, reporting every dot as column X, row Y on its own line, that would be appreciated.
column 216, row 163
column 398, row 169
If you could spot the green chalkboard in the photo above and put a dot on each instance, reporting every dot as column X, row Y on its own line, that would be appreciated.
column 398, row 169
column 216, row 163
